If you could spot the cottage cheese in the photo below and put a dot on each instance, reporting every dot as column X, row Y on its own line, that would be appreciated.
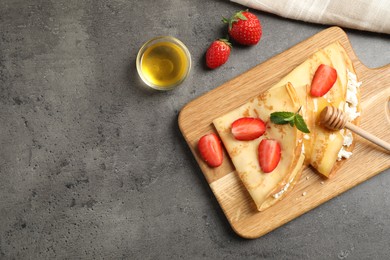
column 348, row 139
column 352, row 87
column 350, row 107
column 343, row 154
column 350, row 110
column 283, row 190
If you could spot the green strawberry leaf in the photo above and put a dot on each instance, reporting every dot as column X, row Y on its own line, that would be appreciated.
column 235, row 18
column 226, row 41
column 240, row 16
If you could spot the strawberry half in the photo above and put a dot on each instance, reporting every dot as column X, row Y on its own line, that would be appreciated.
column 269, row 154
column 248, row 128
column 218, row 53
column 244, row 28
column 210, row 149
column 323, row 80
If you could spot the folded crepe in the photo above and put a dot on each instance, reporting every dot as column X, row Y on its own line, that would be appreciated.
column 265, row 188
column 322, row 146
column 322, row 149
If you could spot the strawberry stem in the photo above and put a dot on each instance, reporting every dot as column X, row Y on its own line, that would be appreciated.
column 235, row 18
column 226, row 41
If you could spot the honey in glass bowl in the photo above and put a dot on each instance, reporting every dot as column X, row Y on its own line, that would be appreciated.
column 163, row 62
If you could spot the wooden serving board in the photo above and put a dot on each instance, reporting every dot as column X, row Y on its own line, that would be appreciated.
column 368, row 160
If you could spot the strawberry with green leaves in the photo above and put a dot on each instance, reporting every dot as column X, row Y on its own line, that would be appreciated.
column 218, row 53
column 244, row 28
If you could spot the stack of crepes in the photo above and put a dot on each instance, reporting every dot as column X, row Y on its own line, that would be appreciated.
column 323, row 149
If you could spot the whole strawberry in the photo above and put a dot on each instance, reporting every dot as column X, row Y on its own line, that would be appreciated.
column 244, row 28
column 218, row 53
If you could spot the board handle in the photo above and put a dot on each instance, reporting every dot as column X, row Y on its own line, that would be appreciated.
column 382, row 73
column 384, row 70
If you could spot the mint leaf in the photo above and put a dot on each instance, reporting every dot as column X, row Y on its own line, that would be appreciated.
column 300, row 124
column 291, row 118
column 282, row 118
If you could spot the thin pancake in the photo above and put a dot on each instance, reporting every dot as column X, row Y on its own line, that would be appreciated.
column 322, row 145
column 265, row 188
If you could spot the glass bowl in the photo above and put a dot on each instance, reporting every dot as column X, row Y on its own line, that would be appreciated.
column 163, row 63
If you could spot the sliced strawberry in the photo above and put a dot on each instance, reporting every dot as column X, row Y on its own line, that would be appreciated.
column 210, row 149
column 323, row 80
column 269, row 154
column 248, row 128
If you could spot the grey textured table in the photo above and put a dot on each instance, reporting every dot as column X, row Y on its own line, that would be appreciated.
column 93, row 166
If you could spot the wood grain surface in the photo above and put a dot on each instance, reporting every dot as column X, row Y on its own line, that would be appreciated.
column 368, row 160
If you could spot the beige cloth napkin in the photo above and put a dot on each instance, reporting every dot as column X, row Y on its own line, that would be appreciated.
column 369, row 15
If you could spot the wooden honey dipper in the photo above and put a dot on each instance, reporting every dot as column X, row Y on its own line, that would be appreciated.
column 334, row 119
